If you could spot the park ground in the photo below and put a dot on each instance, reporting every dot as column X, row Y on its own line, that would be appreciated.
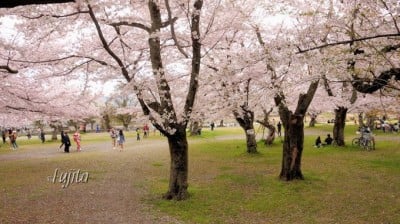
column 226, row 185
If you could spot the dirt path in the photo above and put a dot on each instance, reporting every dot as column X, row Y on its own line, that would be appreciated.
column 114, row 195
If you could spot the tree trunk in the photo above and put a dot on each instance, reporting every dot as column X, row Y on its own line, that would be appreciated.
column 178, row 148
column 271, row 128
column 54, row 134
column 195, row 128
column 271, row 135
column 293, row 124
column 251, row 142
column 313, row 120
column 360, row 119
column 292, row 147
column 370, row 122
column 338, row 127
column 221, row 123
column 245, row 118
column 56, row 129
column 106, row 122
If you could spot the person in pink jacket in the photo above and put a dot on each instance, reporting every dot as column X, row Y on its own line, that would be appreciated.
column 77, row 140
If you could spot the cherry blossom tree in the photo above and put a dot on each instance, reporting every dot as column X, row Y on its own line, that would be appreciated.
column 356, row 44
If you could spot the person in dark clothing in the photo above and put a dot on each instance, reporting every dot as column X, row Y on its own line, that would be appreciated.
column 328, row 140
column 279, row 125
column 42, row 136
column 212, row 126
column 3, row 135
column 318, row 142
column 65, row 141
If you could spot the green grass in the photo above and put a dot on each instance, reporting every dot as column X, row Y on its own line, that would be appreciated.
column 226, row 185
column 342, row 184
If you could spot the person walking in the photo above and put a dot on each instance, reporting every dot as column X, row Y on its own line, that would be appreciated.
column 113, row 135
column 77, row 140
column 279, row 125
column 138, row 134
column 13, row 140
column 121, row 140
column 3, row 135
column 42, row 135
column 145, row 130
column 65, row 141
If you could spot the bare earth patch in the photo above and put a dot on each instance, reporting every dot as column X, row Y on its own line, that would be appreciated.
column 113, row 194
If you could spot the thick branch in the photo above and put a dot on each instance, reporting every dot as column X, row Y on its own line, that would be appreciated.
column 300, row 51
column 166, row 103
column 8, row 69
column 305, row 99
column 327, row 86
column 107, row 47
column 131, row 24
column 196, row 48
column 363, row 86
column 22, row 109
column 173, row 30
column 56, row 16
column 14, row 3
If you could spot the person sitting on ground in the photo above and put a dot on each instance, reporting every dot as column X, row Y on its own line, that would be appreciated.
column 318, row 142
column 328, row 140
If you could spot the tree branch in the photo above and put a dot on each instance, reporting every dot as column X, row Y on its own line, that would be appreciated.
column 300, row 51
column 173, row 30
column 8, row 69
column 368, row 86
column 196, row 49
column 56, row 16
column 131, row 24
column 107, row 47
column 305, row 99
column 14, row 3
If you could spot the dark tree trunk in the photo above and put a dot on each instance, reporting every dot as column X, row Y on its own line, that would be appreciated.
column 371, row 121
column 269, row 140
column 106, row 122
column 195, row 128
column 245, row 118
column 360, row 119
column 221, row 123
column 54, row 133
column 251, row 142
column 293, row 142
column 338, row 127
column 56, row 129
column 178, row 148
column 313, row 120
column 292, row 146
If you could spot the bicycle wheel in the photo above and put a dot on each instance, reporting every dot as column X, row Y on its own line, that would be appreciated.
column 355, row 142
column 367, row 145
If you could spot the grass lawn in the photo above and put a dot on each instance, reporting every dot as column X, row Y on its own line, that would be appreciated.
column 342, row 185
column 226, row 185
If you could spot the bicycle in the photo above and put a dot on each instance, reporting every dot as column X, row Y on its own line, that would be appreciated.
column 365, row 143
